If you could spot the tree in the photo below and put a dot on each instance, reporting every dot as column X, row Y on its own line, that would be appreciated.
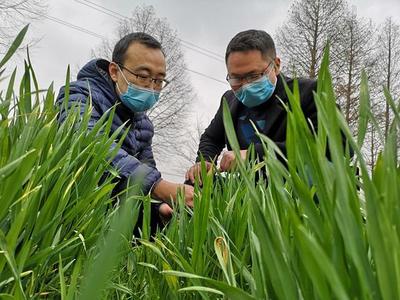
column 14, row 15
column 169, row 116
column 389, row 65
column 386, row 76
column 302, row 39
column 311, row 24
column 192, row 145
column 354, row 53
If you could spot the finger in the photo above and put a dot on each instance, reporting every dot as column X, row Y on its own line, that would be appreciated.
column 230, row 164
column 210, row 168
column 194, row 174
column 189, row 194
column 165, row 210
column 189, row 202
column 199, row 174
column 222, row 163
column 191, row 174
column 226, row 166
column 188, row 172
column 210, row 171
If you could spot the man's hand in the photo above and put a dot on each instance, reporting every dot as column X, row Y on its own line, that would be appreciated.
column 228, row 160
column 189, row 193
column 165, row 211
column 195, row 171
column 167, row 191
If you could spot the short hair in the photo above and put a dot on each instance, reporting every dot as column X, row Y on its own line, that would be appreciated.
column 252, row 40
column 118, row 55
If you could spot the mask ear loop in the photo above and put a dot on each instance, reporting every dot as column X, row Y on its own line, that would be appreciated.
column 122, row 73
column 271, row 66
column 123, row 76
column 267, row 73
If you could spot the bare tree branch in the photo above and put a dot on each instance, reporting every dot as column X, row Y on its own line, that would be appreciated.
column 16, row 14
column 301, row 41
column 355, row 46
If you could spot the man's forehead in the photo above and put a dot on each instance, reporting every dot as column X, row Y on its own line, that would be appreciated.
column 245, row 63
column 139, row 57
column 139, row 52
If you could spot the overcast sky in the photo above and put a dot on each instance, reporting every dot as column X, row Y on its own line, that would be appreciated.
column 209, row 24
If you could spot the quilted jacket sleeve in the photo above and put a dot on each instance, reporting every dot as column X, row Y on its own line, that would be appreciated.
column 128, row 166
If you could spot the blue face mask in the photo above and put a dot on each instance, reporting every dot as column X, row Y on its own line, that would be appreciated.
column 256, row 92
column 138, row 99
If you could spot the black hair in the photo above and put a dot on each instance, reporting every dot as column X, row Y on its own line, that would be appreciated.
column 252, row 40
column 123, row 44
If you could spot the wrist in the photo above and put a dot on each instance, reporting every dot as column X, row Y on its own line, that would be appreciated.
column 158, row 190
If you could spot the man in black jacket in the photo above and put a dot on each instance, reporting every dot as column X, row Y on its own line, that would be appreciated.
column 256, row 93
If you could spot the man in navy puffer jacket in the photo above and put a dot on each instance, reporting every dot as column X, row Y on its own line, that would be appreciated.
column 132, row 81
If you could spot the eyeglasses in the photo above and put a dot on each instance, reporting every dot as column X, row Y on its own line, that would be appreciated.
column 237, row 81
column 158, row 83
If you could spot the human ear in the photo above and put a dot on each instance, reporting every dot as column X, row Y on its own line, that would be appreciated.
column 113, row 71
column 277, row 65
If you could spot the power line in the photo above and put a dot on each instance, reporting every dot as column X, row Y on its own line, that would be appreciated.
column 78, row 28
column 207, row 76
column 102, row 9
column 84, row 30
column 206, row 54
column 94, row 34
column 201, row 48
column 119, row 16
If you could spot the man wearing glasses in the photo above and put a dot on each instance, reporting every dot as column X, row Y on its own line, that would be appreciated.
column 255, row 97
column 132, row 81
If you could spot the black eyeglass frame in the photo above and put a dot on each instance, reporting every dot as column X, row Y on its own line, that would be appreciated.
column 156, row 81
column 248, row 78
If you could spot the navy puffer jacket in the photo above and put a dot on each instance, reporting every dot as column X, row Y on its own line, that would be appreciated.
column 135, row 158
